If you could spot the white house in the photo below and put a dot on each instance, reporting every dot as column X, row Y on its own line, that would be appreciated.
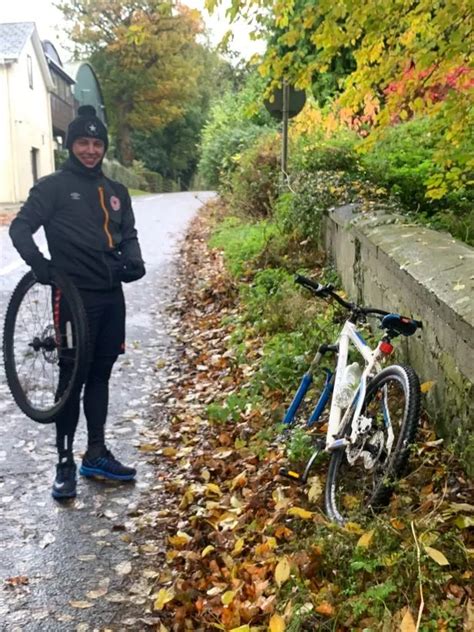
column 26, row 141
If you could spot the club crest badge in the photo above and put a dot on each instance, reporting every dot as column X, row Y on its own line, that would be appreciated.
column 115, row 203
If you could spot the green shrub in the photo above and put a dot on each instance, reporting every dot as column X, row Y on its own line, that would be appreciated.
column 316, row 153
column 241, row 242
column 234, row 125
column 301, row 210
column 126, row 176
column 402, row 161
column 255, row 182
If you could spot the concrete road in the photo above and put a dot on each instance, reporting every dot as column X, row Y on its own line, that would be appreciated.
column 62, row 565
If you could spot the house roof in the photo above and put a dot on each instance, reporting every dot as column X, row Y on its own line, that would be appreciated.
column 13, row 37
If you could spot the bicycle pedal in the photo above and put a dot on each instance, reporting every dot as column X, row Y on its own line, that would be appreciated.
column 291, row 474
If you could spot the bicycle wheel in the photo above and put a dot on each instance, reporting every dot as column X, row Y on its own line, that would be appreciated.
column 44, row 345
column 362, row 476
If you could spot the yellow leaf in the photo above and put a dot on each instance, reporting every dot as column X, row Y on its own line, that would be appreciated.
column 408, row 623
column 165, row 595
column 300, row 512
column 238, row 546
column 228, row 597
column 169, row 451
column 427, row 386
column 315, row 490
column 277, row 623
column 365, row 539
column 180, row 539
column 282, row 571
column 208, row 550
column 212, row 488
column 437, row 556
column 241, row 628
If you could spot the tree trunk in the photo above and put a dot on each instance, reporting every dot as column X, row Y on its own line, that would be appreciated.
column 124, row 144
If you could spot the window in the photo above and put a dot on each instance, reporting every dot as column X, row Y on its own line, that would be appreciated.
column 29, row 63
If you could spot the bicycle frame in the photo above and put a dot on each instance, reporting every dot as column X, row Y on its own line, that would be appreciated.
column 349, row 334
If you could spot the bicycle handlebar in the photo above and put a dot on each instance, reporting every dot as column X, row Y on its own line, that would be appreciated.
column 327, row 290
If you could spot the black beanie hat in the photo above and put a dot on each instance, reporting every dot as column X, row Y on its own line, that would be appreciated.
column 86, row 124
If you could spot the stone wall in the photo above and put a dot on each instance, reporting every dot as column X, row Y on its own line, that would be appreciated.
column 430, row 276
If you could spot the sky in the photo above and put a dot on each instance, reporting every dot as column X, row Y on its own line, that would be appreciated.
column 49, row 20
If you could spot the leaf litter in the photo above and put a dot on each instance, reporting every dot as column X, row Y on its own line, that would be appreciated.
column 235, row 548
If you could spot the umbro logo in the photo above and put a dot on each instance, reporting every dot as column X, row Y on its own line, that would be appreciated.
column 75, row 196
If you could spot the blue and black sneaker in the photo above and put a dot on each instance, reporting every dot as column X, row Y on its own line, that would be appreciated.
column 64, row 485
column 106, row 466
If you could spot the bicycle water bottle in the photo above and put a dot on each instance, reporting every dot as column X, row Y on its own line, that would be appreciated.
column 349, row 383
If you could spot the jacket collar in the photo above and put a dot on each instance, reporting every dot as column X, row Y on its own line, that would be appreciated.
column 75, row 166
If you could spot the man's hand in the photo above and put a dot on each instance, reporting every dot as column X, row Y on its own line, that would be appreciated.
column 132, row 271
column 41, row 268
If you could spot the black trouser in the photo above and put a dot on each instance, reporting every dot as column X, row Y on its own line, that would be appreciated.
column 106, row 322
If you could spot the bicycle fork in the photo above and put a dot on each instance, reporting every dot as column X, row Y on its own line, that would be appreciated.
column 318, row 409
column 304, row 385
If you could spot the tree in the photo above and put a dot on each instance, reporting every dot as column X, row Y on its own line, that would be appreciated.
column 387, row 38
column 173, row 150
column 142, row 51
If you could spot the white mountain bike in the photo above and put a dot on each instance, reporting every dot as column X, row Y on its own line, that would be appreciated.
column 373, row 413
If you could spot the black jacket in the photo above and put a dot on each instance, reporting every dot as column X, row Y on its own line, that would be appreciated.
column 89, row 225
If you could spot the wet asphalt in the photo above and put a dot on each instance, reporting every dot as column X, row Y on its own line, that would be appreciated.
column 64, row 567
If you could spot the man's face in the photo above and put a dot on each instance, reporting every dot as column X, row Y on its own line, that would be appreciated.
column 89, row 151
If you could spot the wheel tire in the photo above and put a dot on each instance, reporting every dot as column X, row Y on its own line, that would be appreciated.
column 79, row 326
column 345, row 481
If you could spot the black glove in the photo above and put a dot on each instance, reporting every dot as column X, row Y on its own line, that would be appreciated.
column 41, row 268
column 132, row 271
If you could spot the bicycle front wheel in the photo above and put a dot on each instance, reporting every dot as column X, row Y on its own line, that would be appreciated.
column 45, row 341
column 361, row 476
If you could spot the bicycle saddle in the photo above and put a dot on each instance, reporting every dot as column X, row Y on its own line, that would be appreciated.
column 400, row 324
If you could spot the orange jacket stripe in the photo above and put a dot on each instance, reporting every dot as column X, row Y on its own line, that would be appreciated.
column 106, row 217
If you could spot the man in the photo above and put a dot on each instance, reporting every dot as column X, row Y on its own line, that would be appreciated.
column 90, row 229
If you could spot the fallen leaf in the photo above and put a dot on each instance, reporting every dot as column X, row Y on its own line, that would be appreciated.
column 277, row 623
column 81, row 604
column 300, row 513
column 315, row 489
column 124, row 568
column 408, row 623
column 228, row 597
column 207, row 550
column 20, row 580
column 169, row 451
column 427, row 386
column 165, row 595
column 282, row 571
column 325, row 608
column 47, row 540
column 365, row 539
column 437, row 556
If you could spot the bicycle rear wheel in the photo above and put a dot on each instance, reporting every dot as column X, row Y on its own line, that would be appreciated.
column 44, row 345
column 361, row 476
